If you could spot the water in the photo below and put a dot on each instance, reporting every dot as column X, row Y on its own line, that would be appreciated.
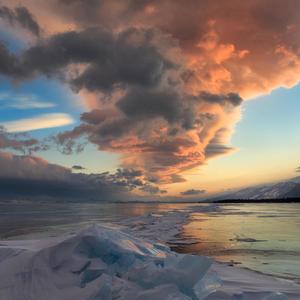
column 27, row 220
column 262, row 237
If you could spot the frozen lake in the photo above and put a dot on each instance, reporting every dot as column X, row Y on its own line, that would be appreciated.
column 262, row 237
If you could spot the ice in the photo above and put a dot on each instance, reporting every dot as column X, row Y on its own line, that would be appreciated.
column 106, row 263
column 276, row 296
column 99, row 263
column 208, row 285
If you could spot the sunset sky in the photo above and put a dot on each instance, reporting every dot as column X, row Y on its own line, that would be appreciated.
column 144, row 98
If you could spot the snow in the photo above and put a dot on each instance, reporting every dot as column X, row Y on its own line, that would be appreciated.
column 98, row 263
column 128, row 262
column 268, row 191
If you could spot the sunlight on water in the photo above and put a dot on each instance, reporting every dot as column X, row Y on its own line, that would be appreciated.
column 262, row 237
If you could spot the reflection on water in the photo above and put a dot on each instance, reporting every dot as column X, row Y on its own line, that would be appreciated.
column 263, row 237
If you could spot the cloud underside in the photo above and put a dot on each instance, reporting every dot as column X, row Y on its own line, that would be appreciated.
column 31, row 177
column 163, row 80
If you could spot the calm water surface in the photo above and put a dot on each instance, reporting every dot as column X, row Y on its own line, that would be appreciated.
column 264, row 237
column 29, row 219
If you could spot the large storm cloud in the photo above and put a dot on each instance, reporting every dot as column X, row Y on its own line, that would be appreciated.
column 163, row 80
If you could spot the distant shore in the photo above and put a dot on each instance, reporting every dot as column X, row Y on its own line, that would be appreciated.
column 283, row 200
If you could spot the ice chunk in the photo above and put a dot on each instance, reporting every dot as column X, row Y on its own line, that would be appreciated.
column 162, row 292
column 276, row 296
column 100, row 263
column 104, row 263
column 208, row 285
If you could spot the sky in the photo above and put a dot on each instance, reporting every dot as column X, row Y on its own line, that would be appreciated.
column 147, row 99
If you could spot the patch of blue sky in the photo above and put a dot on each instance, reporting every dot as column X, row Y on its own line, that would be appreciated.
column 267, row 137
column 93, row 160
column 30, row 99
column 270, row 121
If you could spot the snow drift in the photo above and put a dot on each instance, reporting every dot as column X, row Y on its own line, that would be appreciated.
column 105, row 263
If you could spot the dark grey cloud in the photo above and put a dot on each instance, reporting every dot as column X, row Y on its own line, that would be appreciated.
column 32, row 177
column 152, row 189
column 78, row 168
column 214, row 149
column 20, row 142
column 111, row 60
column 216, row 146
column 232, row 98
column 9, row 63
column 39, row 189
column 193, row 192
column 20, row 16
column 171, row 104
column 133, row 179
column 145, row 103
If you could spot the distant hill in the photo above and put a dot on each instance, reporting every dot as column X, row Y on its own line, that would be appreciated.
column 294, row 192
column 281, row 190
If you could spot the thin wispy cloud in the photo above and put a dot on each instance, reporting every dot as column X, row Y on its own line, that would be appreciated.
column 24, row 101
column 39, row 122
column 30, row 102
column 3, row 96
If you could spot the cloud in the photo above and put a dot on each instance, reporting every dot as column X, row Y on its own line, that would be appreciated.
column 298, row 169
column 20, row 16
column 165, row 78
column 232, row 98
column 31, row 177
column 164, row 131
column 24, row 101
column 20, row 142
column 39, row 122
column 193, row 192
column 144, row 110
column 28, row 177
column 223, row 51
column 78, row 168
column 9, row 64
column 108, row 59
column 216, row 146
column 235, row 46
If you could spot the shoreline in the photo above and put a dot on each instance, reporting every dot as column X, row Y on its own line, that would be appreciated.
column 175, row 223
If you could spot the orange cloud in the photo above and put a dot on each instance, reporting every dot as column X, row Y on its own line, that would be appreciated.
column 167, row 97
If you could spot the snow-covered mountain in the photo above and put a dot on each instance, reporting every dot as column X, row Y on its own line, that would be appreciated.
column 285, row 189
